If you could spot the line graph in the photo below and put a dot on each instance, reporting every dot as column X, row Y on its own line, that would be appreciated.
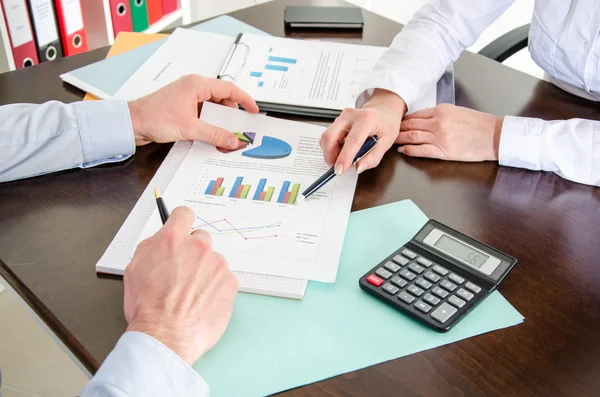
column 242, row 232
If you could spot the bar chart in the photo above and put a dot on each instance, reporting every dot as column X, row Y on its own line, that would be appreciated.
column 287, row 196
column 261, row 194
column 274, row 64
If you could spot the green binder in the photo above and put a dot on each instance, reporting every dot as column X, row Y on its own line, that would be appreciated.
column 139, row 15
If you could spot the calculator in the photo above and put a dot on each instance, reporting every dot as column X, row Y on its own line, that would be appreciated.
column 439, row 276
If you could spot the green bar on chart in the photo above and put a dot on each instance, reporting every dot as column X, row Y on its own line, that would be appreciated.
column 269, row 193
column 294, row 194
column 220, row 191
column 245, row 191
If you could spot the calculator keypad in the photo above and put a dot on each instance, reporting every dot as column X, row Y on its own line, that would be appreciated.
column 392, row 267
column 402, row 261
column 384, row 274
column 409, row 254
column 427, row 287
column 416, row 268
column 407, row 275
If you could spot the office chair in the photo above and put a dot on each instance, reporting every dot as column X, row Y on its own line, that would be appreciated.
column 507, row 45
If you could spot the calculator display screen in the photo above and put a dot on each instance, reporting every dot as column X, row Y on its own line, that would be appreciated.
column 461, row 251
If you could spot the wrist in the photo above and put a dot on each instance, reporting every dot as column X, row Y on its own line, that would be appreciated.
column 172, row 337
column 499, row 122
column 135, row 113
column 384, row 99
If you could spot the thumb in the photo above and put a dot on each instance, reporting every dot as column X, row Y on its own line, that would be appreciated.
column 216, row 136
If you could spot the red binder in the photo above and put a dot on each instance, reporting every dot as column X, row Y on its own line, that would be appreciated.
column 20, row 33
column 72, row 29
column 155, row 12
column 169, row 6
column 121, row 16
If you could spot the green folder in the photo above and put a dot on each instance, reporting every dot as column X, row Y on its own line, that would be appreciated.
column 139, row 15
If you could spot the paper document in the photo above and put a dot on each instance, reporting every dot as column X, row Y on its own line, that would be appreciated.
column 303, row 73
column 247, row 198
column 295, row 74
column 185, row 52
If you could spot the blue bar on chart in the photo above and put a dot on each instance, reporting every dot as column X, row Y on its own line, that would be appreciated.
column 255, row 74
column 282, row 59
column 210, row 187
column 284, row 189
column 277, row 68
column 260, row 188
column 261, row 83
column 270, row 49
column 236, row 185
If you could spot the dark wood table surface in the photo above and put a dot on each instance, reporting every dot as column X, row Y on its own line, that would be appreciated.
column 53, row 229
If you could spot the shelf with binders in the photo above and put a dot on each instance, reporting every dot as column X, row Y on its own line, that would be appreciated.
column 99, row 28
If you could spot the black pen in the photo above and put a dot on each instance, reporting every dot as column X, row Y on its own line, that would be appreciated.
column 329, row 175
column 162, row 208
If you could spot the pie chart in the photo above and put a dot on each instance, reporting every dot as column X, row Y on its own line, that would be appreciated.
column 270, row 148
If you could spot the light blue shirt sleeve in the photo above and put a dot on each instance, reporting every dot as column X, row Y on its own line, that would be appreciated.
column 140, row 365
column 39, row 139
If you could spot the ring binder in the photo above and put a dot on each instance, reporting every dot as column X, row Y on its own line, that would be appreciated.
column 237, row 43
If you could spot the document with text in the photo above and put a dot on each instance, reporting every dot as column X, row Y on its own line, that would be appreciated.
column 246, row 198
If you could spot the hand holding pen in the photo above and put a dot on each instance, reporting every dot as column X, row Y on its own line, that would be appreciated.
column 380, row 116
column 331, row 173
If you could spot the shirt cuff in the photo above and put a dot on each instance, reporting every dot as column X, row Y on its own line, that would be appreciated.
column 106, row 131
column 520, row 143
column 140, row 365
column 401, row 87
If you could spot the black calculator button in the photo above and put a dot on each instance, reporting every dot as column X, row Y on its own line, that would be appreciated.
column 407, row 275
column 416, row 291
column 432, row 300
column 422, row 307
column 390, row 289
column 440, row 270
column 464, row 294
column 439, row 292
column 447, row 285
column 391, row 266
column 421, row 282
column 405, row 297
column 455, row 278
column 431, row 276
column 472, row 287
column 384, row 274
column 456, row 301
column 424, row 262
column 416, row 268
column 409, row 254
column 444, row 312
column 400, row 282
column 402, row 261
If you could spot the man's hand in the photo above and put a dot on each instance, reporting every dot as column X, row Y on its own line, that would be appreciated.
column 450, row 132
column 343, row 139
column 178, row 290
column 171, row 113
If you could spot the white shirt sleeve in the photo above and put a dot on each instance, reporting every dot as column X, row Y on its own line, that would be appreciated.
column 140, row 365
column 434, row 38
column 569, row 148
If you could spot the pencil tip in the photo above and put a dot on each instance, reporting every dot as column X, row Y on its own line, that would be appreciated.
column 301, row 199
column 156, row 193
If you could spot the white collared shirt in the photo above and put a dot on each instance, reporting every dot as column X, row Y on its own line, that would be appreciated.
column 564, row 40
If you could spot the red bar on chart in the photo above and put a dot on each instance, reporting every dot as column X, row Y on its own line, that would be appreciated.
column 216, row 187
column 262, row 195
column 238, row 193
column 286, row 198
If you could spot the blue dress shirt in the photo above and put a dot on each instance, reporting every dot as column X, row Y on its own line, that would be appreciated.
column 142, row 366
column 38, row 139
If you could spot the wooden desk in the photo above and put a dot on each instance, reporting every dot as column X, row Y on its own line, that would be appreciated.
column 54, row 228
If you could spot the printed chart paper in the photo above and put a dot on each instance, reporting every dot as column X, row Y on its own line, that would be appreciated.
column 246, row 199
